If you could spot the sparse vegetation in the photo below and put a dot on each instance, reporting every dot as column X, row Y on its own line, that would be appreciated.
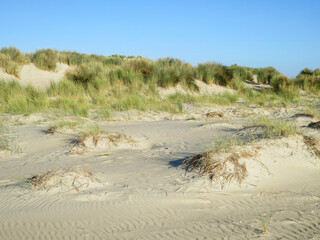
column 223, row 170
column 274, row 128
column 65, row 180
column 6, row 142
column 59, row 125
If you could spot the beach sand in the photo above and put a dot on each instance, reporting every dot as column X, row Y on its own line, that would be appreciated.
column 138, row 189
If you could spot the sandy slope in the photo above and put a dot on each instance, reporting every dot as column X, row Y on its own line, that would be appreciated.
column 40, row 79
column 143, row 193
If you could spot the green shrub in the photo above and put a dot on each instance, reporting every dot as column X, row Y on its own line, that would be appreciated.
column 112, row 61
column 45, row 59
column 306, row 71
column 170, row 72
column 72, row 58
column 9, row 66
column 205, row 72
column 243, row 73
column 316, row 72
column 142, row 65
column 265, row 74
column 85, row 73
column 308, row 79
column 124, row 76
column 223, row 75
column 280, row 83
column 214, row 73
column 15, row 55
column 237, row 83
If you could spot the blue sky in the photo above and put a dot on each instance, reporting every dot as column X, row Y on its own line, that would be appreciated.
column 256, row 33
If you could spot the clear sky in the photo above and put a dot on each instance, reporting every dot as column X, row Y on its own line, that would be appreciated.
column 280, row 33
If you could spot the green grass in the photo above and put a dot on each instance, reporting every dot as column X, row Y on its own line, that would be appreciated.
column 280, row 83
column 275, row 128
column 45, row 59
column 308, row 80
column 18, row 99
column 142, row 65
column 268, row 98
column 85, row 73
column 11, row 60
column 205, row 72
column 224, row 99
column 103, row 84
column 171, row 71
column 92, row 130
column 265, row 75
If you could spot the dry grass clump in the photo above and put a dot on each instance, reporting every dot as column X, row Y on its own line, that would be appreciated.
column 315, row 125
column 313, row 143
column 51, row 130
column 75, row 178
column 119, row 138
column 214, row 114
column 59, row 125
column 95, row 137
column 223, row 171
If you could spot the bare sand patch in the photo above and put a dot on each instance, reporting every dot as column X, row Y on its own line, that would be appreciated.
column 40, row 79
column 204, row 88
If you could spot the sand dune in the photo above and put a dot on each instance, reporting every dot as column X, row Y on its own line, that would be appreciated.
column 130, row 183
column 144, row 193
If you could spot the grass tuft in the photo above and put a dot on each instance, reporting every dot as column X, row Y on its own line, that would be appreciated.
column 223, row 171
column 85, row 73
column 45, row 59
column 11, row 60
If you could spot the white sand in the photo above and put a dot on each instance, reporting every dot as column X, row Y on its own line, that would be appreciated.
column 142, row 194
column 40, row 79
column 204, row 88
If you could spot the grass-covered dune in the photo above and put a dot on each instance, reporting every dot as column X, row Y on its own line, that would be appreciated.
column 119, row 83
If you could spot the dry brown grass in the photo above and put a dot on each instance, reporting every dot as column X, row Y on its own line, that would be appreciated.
column 80, row 145
column 50, row 130
column 214, row 115
column 75, row 178
column 118, row 138
column 312, row 143
column 223, row 171
column 315, row 125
